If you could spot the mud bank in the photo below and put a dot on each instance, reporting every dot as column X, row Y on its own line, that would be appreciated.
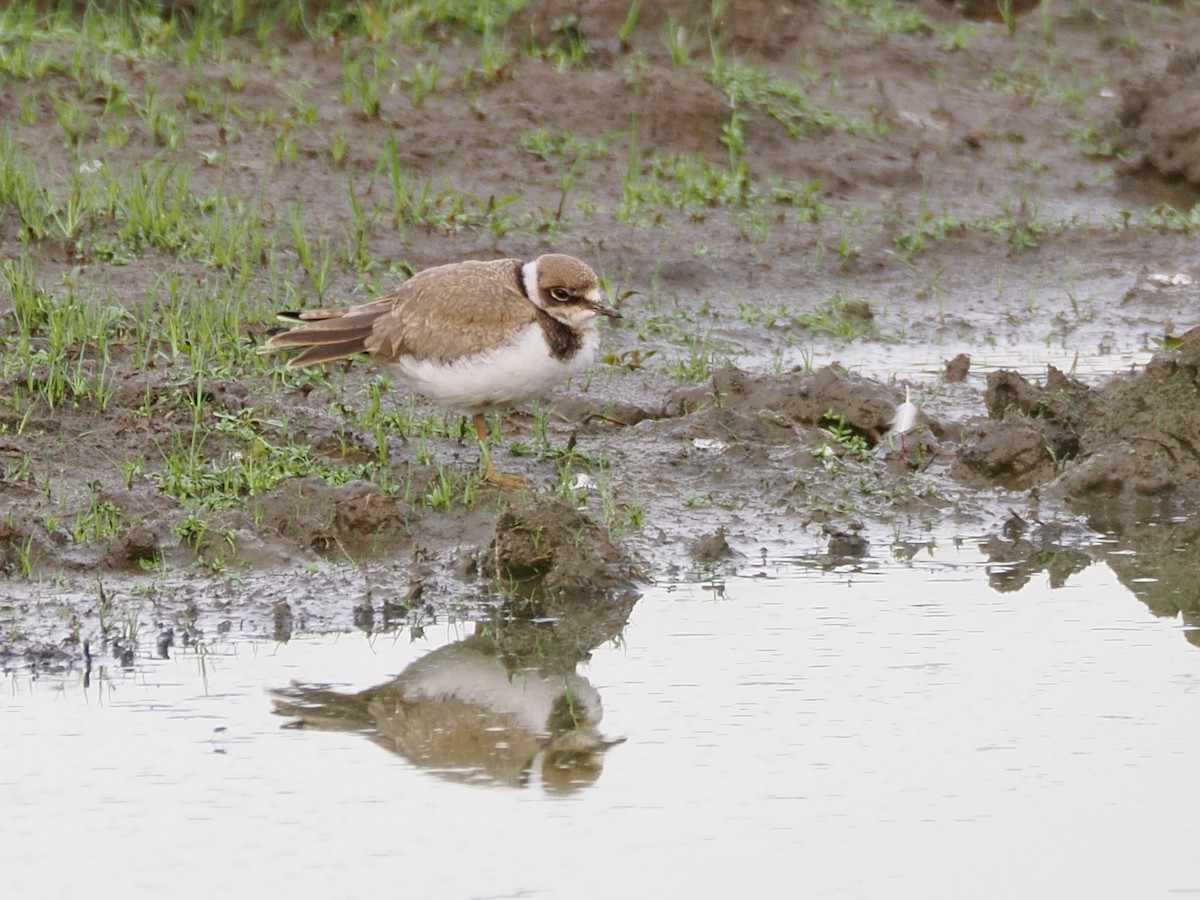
column 806, row 211
column 803, row 463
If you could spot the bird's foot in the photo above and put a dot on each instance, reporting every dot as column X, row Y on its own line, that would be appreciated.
column 502, row 480
column 505, row 480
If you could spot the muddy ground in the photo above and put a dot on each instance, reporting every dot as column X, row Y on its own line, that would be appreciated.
column 1014, row 195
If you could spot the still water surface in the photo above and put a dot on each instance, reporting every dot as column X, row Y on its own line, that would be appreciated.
column 898, row 732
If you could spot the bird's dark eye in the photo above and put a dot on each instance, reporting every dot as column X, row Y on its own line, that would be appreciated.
column 560, row 294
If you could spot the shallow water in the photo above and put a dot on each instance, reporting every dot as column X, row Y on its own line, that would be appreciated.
column 901, row 730
column 913, row 362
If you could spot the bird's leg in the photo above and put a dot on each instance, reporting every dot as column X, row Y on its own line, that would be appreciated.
column 489, row 471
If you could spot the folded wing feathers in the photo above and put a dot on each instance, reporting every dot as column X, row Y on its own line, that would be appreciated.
column 325, row 352
column 325, row 340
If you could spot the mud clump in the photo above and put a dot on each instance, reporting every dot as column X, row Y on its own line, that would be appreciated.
column 846, row 544
column 711, row 548
column 137, row 545
column 1008, row 390
column 354, row 516
column 1009, row 454
column 765, row 407
column 1147, row 443
column 1134, row 441
column 957, row 369
column 283, row 621
column 1160, row 120
column 1119, row 473
column 1031, row 430
column 1034, row 428
column 544, row 546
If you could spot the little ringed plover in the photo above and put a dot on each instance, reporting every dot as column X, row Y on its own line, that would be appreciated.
column 473, row 336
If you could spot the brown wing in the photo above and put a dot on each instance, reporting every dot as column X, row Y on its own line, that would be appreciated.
column 453, row 311
column 440, row 313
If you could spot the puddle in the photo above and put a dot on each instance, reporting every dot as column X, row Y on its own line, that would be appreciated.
column 838, row 732
column 910, row 361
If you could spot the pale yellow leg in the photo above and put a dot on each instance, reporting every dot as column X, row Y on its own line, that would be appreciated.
column 490, row 474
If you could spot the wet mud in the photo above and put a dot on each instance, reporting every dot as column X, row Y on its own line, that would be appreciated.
column 782, row 439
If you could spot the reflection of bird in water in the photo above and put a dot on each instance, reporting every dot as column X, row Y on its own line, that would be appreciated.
column 460, row 712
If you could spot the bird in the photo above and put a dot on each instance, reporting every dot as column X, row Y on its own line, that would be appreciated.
column 472, row 336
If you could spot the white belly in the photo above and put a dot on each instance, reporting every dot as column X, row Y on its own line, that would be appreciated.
column 519, row 371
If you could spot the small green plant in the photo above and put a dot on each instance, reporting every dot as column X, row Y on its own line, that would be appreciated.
column 679, row 41
column 162, row 121
column 362, row 82
column 625, row 31
column 495, row 57
column 1008, row 16
column 98, row 520
column 1091, row 142
column 422, row 81
column 1166, row 217
column 841, row 317
column 688, row 184
column 568, row 42
column 316, row 266
column 883, row 16
column 24, row 553
column 701, row 354
column 570, row 153
column 783, row 101
column 450, row 487
column 930, row 227
column 850, row 441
